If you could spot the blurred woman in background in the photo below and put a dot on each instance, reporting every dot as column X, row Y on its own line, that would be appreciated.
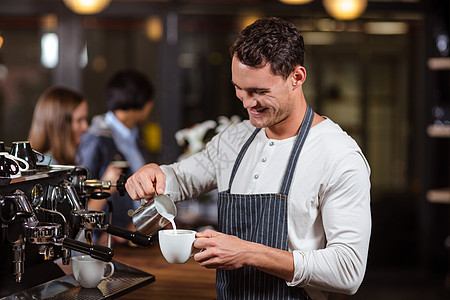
column 59, row 121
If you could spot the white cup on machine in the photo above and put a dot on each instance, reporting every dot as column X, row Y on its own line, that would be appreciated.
column 23, row 164
column 89, row 271
column 177, row 247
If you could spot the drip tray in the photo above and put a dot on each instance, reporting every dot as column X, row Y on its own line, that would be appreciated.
column 124, row 280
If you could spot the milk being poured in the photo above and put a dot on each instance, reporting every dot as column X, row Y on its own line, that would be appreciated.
column 163, row 212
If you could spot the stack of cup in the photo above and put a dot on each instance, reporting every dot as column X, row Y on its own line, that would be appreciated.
column 11, row 166
column 24, row 151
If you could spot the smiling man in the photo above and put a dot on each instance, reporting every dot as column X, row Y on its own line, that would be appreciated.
column 294, row 189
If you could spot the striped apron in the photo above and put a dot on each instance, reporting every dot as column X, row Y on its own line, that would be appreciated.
column 259, row 218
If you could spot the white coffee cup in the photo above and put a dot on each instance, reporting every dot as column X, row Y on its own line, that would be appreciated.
column 23, row 164
column 89, row 271
column 176, row 248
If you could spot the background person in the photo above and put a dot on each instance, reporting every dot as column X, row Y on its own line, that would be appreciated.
column 115, row 136
column 59, row 121
column 294, row 188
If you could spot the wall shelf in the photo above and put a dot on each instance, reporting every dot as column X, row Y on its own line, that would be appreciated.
column 439, row 63
column 439, row 131
column 441, row 195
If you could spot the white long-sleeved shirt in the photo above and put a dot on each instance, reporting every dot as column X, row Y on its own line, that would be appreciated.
column 329, row 218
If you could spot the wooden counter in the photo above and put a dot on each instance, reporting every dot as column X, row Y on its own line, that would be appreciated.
column 173, row 281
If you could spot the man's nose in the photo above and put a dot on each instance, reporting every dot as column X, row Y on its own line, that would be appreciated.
column 247, row 99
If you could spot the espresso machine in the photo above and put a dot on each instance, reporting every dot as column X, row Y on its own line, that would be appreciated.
column 43, row 220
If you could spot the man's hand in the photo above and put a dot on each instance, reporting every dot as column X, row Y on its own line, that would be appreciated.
column 227, row 252
column 221, row 251
column 146, row 182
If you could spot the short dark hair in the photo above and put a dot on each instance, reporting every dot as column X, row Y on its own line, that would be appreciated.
column 128, row 89
column 270, row 40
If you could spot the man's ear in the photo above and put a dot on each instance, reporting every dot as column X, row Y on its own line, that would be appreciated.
column 298, row 76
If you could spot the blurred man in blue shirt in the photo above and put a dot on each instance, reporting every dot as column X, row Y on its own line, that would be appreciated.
column 115, row 136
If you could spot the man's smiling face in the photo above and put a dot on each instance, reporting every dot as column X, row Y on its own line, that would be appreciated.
column 266, row 97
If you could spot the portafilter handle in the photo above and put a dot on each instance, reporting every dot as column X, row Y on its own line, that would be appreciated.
column 133, row 236
column 95, row 251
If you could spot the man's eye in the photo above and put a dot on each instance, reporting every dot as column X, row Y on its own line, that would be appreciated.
column 260, row 92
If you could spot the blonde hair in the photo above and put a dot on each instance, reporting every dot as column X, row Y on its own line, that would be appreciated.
column 51, row 128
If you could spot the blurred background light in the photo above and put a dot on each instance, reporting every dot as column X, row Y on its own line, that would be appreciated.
column 442, row 43
column 83, row 61
column 295, row 2
column 49, row 22
column 345, row 9
column 49, row 50
column 87, row 7
column 248, row 20
column 154, row 28
column 99, row 64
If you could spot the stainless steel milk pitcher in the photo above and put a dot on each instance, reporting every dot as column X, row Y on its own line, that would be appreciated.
column 152, row 215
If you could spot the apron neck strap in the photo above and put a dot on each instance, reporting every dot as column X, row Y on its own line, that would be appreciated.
column 300, row 140
column 295, row 153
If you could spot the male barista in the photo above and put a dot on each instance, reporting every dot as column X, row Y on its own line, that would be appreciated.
column 294, row 189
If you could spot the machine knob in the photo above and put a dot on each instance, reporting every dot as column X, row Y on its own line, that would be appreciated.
column 120, row 184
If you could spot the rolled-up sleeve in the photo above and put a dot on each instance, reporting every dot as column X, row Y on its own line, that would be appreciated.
column 190, row 178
